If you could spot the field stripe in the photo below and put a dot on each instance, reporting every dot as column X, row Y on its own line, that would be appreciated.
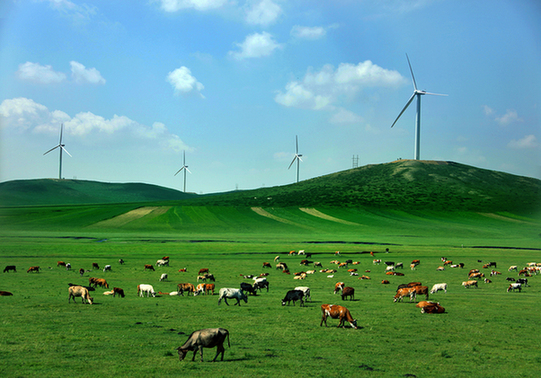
column 265, row 213
column 504, row 218
column 319, row 214
column 130, row 216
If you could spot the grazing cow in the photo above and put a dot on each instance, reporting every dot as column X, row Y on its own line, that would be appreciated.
column 492, row 264
column 399, row 265
column 244, row 286
column 389, row 268
column 260, row 283
column 473, row 271
column 514, row 286
column 513, row 267
column 293, row 295
column 203, row 270
column 338, row 287
column 416, row 262
column 494, row 273
column 306, row 291
column 33, row 269
column 163, row 277
column 209, row 288
column 199, row 289
column 277, row 258
column 468, row 284
column 119, row 291
column 79, row 291
column 205, row 338
column 385, row 282
column 144, row 288
column 98, row 282
column 510, row 279
column 389, row 263
column 476, row 275
column 95, row 266
column 183, row 270
column 162, row 262
column 337, row 312
column 107, row 268
column 363, row 277
column 523, row 281
column 348, row 292
column 437, row 287
column 182, row 287
column 403, row 292
column 120, row 261
column 421, row 290
column 68, row 266
column 237, row 294
column 81, row 272
column 318, row 264
column 60, row 263
column 486, row 280
column 433, row 308
column 10, row 267
column 267, row 265
column 412, row 266
column 5, row 293
column 282, row 266
column 149, row 267
column 204, row 288
column 523, row 271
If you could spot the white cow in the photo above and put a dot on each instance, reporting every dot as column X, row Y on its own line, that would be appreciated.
column 144, row 288
column 79, row 291
column 440, row 286
column 305, row 290
column 237, row 294
column 162, row 262
column 163, row 277
column 514, row 286
column 106, row 268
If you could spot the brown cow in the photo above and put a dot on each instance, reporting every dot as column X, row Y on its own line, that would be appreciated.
column 433, row 308
column 204, row 270
column 149, row 266
column 337, row 312
column 338, row 287
column 405, row 291
column 101, row 282
column 81, row 271
column 385, row 282
column 421, row 290
column 267, row 265
column 183, row 270
column 60, row 263
column 348, row 292
column 33, row 269
column 119, row 291
column 165, row 258
column 182, row 287
column 5, row 293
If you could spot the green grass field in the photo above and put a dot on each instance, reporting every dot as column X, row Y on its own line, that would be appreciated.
column 485, row 332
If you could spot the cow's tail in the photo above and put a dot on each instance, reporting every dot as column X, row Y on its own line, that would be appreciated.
column 228, row 343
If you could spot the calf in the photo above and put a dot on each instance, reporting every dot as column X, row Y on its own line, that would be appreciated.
column 337, row 312
column 205, row 338
column 162, row 262
column 293, row 295
column 79, row 291
column 260, row 283
column 10, row 267
column 348, row 292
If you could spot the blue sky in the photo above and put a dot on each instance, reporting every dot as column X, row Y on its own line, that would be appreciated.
column 233, row 82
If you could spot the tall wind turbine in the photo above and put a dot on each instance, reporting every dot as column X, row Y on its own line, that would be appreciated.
column 61, row 148
column 297, row 156
column 416, row 93
column 184, row 168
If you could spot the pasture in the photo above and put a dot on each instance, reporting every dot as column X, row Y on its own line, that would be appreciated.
column 485, row 331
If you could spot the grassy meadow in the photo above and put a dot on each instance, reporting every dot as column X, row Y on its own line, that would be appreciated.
column 485, row 332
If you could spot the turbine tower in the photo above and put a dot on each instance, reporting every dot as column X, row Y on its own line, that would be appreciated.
column 297, row 156
column 61, row 148
column 185, row 168
column 416, row 93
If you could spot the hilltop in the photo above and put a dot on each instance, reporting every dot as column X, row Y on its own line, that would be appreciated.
column 401, row 185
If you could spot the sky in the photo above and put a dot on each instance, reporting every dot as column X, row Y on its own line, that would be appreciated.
column 233, row 83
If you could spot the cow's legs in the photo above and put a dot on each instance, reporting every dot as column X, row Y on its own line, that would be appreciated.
column 219, row 349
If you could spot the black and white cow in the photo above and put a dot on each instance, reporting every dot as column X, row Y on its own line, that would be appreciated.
column 293, row 295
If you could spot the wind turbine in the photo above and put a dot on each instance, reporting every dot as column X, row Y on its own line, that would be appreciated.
column 185, row 168
column 297, row 156
column 61, row 148
column 416, row 93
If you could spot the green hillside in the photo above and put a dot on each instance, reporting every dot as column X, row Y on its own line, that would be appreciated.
column 71, row 192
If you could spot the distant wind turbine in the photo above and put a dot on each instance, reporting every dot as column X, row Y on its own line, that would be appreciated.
column 185, row 168
column 297, row 156
column 416, row 93
column 61, row 148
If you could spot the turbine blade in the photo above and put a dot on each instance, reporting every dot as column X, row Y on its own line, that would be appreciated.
column 299, row 156
column 405, row 107
column 61, row 129
column 411, row 70
column 188, row 170
column 180, row 170
column 296, row 144
column 66, row 151
column 54, row 148
column 295, row 158
column 435, row 94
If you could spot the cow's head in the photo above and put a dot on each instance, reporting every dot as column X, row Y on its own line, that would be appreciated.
column 181, row 353
column 244, row 297
column 354, row 323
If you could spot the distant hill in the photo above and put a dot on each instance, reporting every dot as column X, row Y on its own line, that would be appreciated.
column 69, row 192
column 402, row 184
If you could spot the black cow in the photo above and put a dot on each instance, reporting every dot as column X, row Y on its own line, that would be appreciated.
column 293, row 295
column 205, row 338
column 248, row 288
column 10, row 267
column 523, row 281
column 348, row 292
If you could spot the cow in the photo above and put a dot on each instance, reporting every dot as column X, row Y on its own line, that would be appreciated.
column 376, row 261
column 514, row 286
column 432, row 308
column 206, row 276
column 144, row 288
column 487, row 280
column 282, row 266
column 277, row 258
column 306, row 291
column 476, row 275
column 244, row 286
column 348, row 292
column 149, row 267
column 119, row 291
column 98, row 282
column 513, row 267
column 163, row 277
column 440, row 268
column 293, row 295
column 120, row 261
column 81, row 272
column 421, row 290
column 60, row 263
column 165, row 258
column 422, row 304
column 399, row 265
column 260, row 283
column 403, row 292
column 510, row 279
column 468, row 284
column 437, row 287
column 33, row 269
column 95, row 266
column 183, row 270
column 209, row 288
column 318, row 264
column 523, row 281
column 107, row 268
column 182, row 287
column 385, row 282
column 10, row 267
column 162, row 262
column 205, row 338
column 363, row 277
column 337, row 312
column 79, row 291
column 68, row 266
column 237, row 294
column 338, row 287
column 5, row 293
column 204, row 288
column 267, row 265
column 494, row 273
column 203, row 270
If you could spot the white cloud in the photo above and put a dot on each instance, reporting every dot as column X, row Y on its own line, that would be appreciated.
column 40, row 74
column 256, row 45
column 78, row 13
column 508, row 118
column 488, row 110
column 264, row 12
column 320, row 90
column 25, row 114
column 83, row 75
column 343, row 116
column 200, row 5
column 183, row 82
column 306, row 32
column 529, row 141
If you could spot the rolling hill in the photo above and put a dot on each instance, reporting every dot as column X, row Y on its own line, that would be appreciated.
column 402, row 185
